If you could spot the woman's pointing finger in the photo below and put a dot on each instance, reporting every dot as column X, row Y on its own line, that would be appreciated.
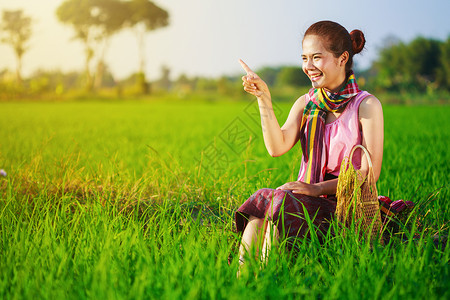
column 245, row 67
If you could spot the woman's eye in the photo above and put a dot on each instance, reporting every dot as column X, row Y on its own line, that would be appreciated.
column 316, row 57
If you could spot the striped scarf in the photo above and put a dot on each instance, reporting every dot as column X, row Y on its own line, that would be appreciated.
column 313, row 126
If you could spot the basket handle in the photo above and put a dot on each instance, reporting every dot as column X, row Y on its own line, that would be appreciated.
column 365, row 151
column 370, row 178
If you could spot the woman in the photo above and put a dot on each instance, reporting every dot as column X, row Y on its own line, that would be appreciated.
column 333, row 117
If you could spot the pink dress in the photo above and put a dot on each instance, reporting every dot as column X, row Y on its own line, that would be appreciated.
column 339, row 138
column 285, row 208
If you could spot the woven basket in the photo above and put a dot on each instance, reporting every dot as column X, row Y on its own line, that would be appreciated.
column 357, row 198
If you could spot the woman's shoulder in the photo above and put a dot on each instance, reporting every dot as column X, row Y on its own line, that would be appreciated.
column 300, row 103
column 369, row 106
column 303, row 99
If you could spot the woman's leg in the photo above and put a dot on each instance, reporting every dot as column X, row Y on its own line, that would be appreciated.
column 252, row 231
column 271, row 236
column 257, row 232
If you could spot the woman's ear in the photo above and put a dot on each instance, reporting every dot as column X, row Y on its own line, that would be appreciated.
column 344, row 58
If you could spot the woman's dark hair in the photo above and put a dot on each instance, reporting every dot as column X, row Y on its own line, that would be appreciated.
column 337, row 40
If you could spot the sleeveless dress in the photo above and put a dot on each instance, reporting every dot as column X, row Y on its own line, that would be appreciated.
column 286, row 209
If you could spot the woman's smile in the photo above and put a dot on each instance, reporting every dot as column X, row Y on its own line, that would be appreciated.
column 315, row 77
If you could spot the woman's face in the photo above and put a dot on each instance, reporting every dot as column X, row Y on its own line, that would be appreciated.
column 323, row 69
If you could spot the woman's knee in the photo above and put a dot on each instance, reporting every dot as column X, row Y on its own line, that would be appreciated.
column 255, row 221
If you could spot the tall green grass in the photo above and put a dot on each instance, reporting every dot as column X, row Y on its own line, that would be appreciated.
column 123, row 200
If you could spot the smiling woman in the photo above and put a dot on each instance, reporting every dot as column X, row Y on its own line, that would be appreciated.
column 329, row 121
column 322, row 45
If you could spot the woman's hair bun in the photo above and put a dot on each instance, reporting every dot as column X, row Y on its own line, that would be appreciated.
column 358, row 41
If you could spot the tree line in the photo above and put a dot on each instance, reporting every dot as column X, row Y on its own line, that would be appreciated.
column 422, row 65
column 94, row 23
column 419, row 66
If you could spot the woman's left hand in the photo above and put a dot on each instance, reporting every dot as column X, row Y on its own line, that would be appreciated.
column 298, row 187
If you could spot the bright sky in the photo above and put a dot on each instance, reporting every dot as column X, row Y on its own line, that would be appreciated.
column 207, row 37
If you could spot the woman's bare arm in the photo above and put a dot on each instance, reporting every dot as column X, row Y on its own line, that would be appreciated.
column 372, row 128
column 278, row 140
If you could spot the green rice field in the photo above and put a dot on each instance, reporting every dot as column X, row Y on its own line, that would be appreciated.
column 136, row 200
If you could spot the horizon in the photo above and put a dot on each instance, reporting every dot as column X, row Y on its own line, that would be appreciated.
column 206, row 39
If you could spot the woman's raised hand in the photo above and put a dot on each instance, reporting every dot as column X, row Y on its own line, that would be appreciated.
column 252, row 83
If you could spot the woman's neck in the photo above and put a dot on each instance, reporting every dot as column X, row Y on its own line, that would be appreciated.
column 343, row 81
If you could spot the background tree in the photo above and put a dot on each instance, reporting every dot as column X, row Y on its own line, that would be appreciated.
column 16, row 28
column 417, row 66
column 390, row 70
column 269, row 74
column 422, row 61
column 145, row 16
column 292, row 76
column 79, row 15
column 94, row 22
column 110, row 17
column 443, row 73
column 164, row 81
